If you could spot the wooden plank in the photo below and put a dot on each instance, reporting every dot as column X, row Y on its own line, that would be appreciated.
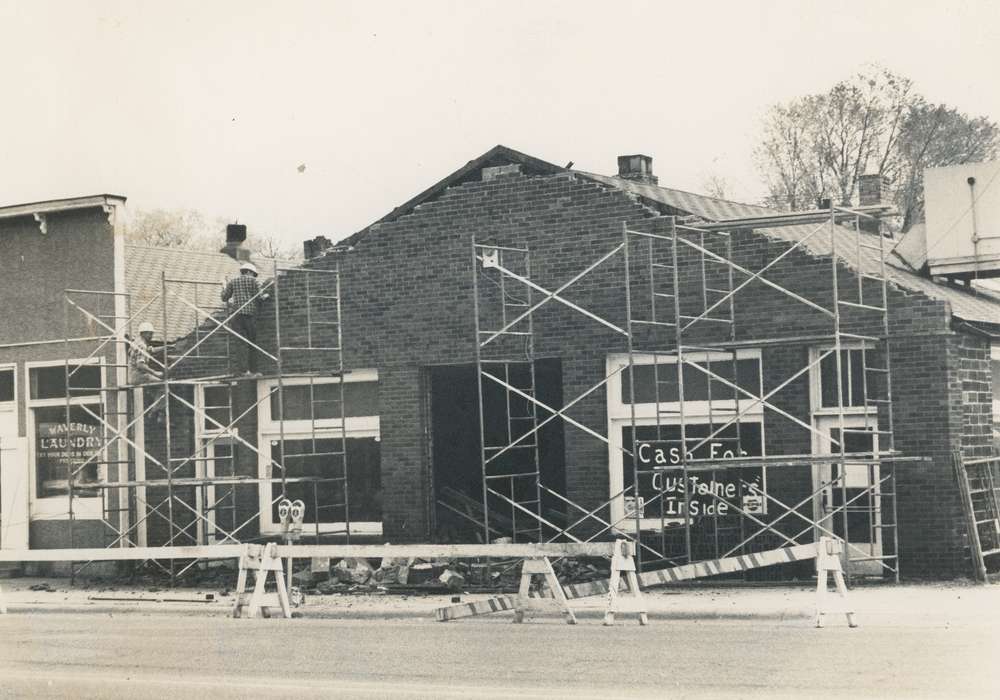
column 479, row 607
column 308, row 551
column 728, row 565
column 212, row 551
column 650, row 578
column 714, row 567
column 450, row 551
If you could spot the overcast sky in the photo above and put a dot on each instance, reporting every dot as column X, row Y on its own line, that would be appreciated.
column 213, row 106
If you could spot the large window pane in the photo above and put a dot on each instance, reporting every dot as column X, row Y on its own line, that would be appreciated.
column 360, row 399
column 61, row 449
column 852, row 374
column 323, row 459
column 6, row 385
column 217, row 407
column 659, row 382
column 50, row 382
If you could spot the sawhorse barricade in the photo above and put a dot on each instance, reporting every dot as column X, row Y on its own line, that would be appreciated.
column 827, row 553
column 623, row 569
column 265, row 559
column 261, row 559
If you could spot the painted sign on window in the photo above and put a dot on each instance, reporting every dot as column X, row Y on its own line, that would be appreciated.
column 60, row 450
column 663, row 490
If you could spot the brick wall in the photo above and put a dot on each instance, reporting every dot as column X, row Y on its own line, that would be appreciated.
column 75, row 252
column 408, row 303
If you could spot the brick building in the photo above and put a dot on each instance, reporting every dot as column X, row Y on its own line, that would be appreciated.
column 408, row 317
column 48, row 333
column 412, row 296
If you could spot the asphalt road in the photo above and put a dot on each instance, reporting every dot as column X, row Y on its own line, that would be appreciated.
column 137, row 655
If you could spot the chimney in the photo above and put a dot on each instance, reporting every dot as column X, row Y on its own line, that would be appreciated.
column 236, row 234
column 316, row 247
column 638, row 168
column 871, row 190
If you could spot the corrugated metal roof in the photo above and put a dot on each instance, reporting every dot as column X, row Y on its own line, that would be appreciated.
column 967, row 305
column 710, row 208
column 144, row 270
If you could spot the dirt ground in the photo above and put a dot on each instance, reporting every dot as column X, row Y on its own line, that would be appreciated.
column 938, row 604
column 914, row 641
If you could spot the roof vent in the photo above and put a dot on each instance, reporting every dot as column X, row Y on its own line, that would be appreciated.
column 493, row 172
column 638, row 168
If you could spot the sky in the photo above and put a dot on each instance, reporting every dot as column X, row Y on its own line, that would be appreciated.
column 215, row 106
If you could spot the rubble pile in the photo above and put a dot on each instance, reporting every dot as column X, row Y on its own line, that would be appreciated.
column 435, row 576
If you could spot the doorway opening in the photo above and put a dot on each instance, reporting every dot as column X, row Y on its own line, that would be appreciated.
column 456, row 459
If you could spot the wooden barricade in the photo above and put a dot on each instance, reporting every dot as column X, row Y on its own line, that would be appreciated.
column 828, row 556
column 262, row 560
column 623, row 562
column 647, row 579
column 555, row 595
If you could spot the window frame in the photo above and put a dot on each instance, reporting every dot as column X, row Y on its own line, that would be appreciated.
column 620, row 414
column 816, row 406
column 327, row 428
column 12, row 405
column 56, row 507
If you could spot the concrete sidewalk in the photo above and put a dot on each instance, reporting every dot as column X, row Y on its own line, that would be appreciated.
column 925, row 605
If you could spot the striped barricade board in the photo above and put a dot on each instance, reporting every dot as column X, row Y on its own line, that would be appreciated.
column 685, row 572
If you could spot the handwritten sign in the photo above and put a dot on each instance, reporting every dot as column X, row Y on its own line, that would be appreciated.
column 663, row 490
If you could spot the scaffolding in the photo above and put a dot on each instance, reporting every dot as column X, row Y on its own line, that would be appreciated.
column 702, row 375
column 188, row 480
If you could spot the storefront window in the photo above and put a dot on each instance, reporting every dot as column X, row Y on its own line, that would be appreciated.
column 360, row 399
column 62, row 448
column 708, row 408
column 659, row 382
column 67, row 443
column 324, row 497
column 310, row 447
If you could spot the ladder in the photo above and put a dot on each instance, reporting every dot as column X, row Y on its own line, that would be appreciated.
column 977, row 484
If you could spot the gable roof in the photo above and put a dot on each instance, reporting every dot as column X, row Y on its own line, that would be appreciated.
column 970, row 305
column 145, row 267
column 977, row 306
column 498, row 155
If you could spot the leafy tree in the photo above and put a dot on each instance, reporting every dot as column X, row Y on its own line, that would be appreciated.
column 874, row 123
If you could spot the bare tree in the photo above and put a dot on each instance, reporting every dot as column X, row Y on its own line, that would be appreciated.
column 716, row 186
column 874, row 123
column 270, row 246
column 173, row 228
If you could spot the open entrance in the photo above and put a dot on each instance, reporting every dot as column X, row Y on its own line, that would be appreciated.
column 455, row 448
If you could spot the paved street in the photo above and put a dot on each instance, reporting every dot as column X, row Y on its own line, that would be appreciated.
column 136, row 654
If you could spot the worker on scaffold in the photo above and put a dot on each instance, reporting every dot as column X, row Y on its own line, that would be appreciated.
column 142, row 366
column 243, row 294
column 141, row 359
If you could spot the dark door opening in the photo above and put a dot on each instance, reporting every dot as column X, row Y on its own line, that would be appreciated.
column 455, row 448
